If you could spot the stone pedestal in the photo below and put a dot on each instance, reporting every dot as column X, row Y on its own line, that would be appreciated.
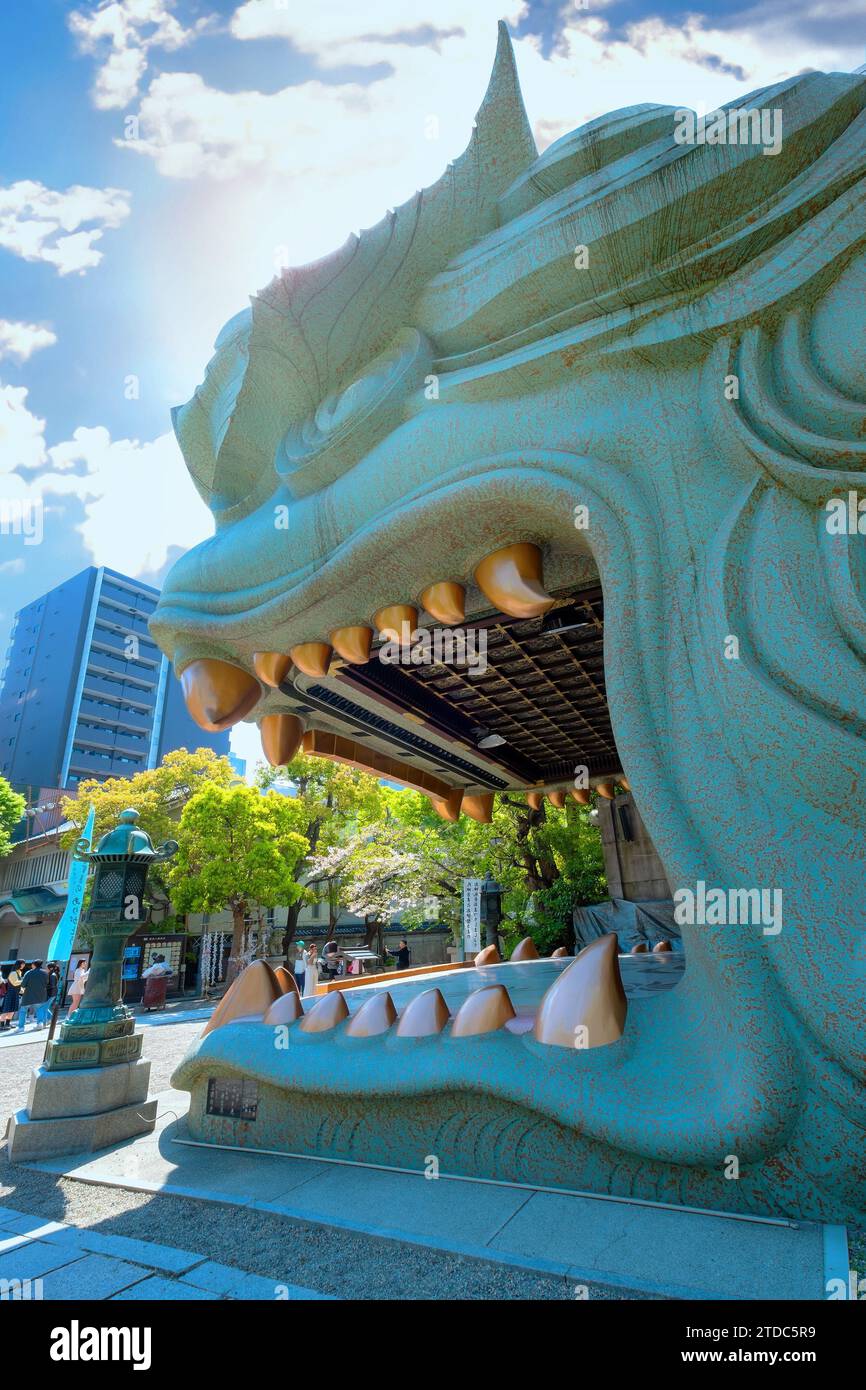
column 90, row 1040
column 81, row 1110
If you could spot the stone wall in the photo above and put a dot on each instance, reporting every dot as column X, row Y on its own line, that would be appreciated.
column 634, row 870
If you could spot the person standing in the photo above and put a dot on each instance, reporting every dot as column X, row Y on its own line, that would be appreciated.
column 12, row 976
column 34, row 995
column 332, row 960
column 299, row 966
column 79, row 980
column 311, row 971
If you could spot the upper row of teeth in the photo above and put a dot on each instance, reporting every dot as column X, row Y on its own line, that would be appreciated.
column 218, row 693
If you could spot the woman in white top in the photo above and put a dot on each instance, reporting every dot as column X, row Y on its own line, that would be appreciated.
column 79, row 980
column 311, row 972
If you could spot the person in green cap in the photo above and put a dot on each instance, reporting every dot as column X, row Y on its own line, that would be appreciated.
column 299, row 966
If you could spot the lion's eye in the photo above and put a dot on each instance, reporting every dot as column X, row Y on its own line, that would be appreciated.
column 349, row 422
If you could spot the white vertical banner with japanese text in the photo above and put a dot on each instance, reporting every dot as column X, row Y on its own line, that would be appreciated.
column 471, row 916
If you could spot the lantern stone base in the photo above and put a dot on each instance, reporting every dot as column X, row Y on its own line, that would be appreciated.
column 82, row 1110
column 72, row 1053
column 88, row 1044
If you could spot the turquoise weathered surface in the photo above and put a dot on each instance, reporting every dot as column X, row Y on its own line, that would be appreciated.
column 699, row 385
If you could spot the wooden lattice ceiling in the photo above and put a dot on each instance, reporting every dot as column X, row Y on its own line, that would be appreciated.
column 543, row 691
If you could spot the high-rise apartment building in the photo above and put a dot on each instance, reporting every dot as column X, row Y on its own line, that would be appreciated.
column 86, row 692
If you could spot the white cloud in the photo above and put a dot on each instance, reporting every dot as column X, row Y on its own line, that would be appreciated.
column 121, row 34
column 689, row 64
column 42, row 224
column 342, row 31
column 21, row 340
column 22, row 434
column 138, row 500
column 368, row 140
column 284, row 176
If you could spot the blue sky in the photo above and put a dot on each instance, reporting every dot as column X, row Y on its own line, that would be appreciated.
column 160, row 159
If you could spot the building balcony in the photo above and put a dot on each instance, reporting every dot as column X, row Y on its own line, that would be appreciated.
column 101, row 664
column 120, row 690
column 113, row 716
column 89, row 763
column 148, row 656
column 83, row 760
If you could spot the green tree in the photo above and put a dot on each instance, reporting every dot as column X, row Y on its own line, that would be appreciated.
column 334, row 802
column 547, row 861
column 238, row 850
column 159, row 795
column 11, row 811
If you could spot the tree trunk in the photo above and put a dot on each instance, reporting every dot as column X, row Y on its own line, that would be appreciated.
column 293, row 912
column 570, row 937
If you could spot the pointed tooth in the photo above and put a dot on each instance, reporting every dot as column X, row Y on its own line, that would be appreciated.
column 352, row 643
column 389, row 621
column 446, row 602
column 534, row 800
column 287, row 1009
column 512, row 580
column 661, row 948
column 525, row 950
column 588, row 994
column 479, row 807
column 271, row 667
column 281, row 737
column 218, row 694
column 329, row 1011
column 582, row 795
column 556, row 799
column 624, row 782
column 286, row 980
column 606, row 789
column 374, row 1017
column 489, row 956
column 483, row 1011
column 249, row 996
column 448, row 807
column 313, row 658
column 424, row 1015
column 559, row 953
column 640, row 949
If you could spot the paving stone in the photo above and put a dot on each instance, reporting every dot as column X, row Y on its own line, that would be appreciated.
column 402, row 1204
column 143, row 1252
column 8, row 1214
column 158, row 1290
column 34, row 1226
column 12, row 1242
column 678, row 1253
column 234, row 1283
column 93, row 1276
column 35, row 1259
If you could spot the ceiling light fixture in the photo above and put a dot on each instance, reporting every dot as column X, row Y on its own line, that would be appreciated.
column 484, row 738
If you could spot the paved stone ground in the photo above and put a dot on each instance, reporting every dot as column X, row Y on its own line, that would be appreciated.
column 321, row 1259
column 281, row 1251
column 56, row 1260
